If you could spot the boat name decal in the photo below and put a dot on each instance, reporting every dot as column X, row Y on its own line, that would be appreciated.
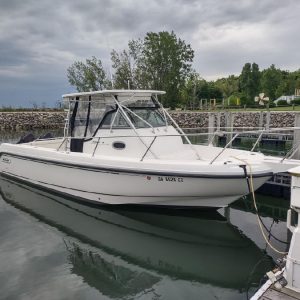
column 6, row 160
column 170, row 179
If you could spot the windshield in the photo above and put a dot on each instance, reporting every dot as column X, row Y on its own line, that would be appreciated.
column 151, row 116
column 89, row 113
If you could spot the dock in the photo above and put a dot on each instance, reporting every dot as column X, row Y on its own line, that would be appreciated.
column 275, row 288
column 279, row 185
column 284, row 282
column 274, row 294
column 274, row 291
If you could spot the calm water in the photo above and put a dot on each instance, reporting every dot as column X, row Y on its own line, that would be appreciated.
column 55, row 248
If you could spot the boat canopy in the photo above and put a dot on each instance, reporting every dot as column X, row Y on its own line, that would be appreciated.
column 124, row 93
column 114, row 109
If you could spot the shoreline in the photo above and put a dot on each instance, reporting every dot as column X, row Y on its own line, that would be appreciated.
column 24, row 120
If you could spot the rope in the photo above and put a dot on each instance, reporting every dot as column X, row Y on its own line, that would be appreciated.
column 255, row 206
column 270, row 233
column 268, row 230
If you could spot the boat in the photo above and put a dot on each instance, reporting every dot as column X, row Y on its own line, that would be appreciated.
column 121, row 147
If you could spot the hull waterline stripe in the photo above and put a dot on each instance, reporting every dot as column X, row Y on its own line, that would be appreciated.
column 132, row 172
column 53, row 186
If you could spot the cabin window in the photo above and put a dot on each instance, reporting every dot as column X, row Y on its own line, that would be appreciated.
column 119, row 121
column 87, row 113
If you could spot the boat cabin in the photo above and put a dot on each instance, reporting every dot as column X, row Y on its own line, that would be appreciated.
column 107, row 121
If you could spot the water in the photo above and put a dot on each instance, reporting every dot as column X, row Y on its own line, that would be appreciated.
column 55, row 248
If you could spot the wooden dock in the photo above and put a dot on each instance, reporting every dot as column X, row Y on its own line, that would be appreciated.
column 275, row 289
column 283, row 294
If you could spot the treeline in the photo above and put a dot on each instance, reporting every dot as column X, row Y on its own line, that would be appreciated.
column 241, row 89
column 162, row 61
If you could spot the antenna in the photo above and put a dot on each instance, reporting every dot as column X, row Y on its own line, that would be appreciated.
column 110, row 69
column 111, row 78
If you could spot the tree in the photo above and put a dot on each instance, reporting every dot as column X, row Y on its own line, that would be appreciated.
column 88, row 76
column 250, row 81
column 128, row 66
column 203, row 89
column 160, row 61
column 123, row 76
column 271, row 79
column 289, row 82
column 188, row 93
column 167, row 63
column 255, row 80
column 228, row 86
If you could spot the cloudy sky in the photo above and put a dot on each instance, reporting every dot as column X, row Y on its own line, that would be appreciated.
column 40, row 39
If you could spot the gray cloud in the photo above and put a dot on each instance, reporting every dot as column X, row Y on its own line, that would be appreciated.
column 40, row 39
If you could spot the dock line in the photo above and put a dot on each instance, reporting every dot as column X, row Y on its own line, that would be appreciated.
column 250, row 184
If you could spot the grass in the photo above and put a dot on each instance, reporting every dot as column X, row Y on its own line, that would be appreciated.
column 24, row 109
column 249, row 109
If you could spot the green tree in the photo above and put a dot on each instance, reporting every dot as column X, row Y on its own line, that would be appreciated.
column 167, row 63
column 188, row 93
column 289, row 82
column 228, row 86
column 160, row 61
column 250, row 81
column 255, row 80
column 271, row 79
column 245, row 80
column 203, row 89
column 88, row 76
column 122, row 64
column 208, row 90
column 128, row 66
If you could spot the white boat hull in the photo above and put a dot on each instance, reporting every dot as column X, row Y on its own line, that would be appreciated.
column 126, row 186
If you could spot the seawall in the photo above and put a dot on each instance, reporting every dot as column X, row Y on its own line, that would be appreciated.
column 235, row 119
column 31, row 120
column 185, row 119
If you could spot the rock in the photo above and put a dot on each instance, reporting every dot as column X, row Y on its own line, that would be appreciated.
column 185, row 119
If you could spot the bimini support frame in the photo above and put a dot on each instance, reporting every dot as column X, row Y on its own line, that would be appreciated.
column 121, row 109
column 165, row 112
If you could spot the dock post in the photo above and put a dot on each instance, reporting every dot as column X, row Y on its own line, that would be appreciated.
column 229, row 118
column 261, row 120
column 218, row 121
column 268, row 119
column 296, row 139
column 211, row 128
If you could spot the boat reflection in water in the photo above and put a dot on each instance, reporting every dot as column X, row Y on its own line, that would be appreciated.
column 125, row 252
